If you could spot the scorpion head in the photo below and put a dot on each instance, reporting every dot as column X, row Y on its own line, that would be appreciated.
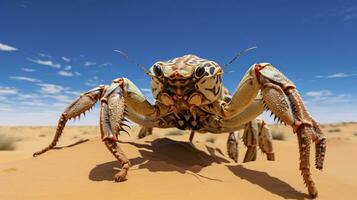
column 189, row 78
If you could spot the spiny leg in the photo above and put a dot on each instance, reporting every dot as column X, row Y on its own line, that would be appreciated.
column 250, row 140
column 75, row 109
column 280, row 96
column 265, row 140
column 232, row 147
column 304, row 150
column 284, row 101
column 112, row 118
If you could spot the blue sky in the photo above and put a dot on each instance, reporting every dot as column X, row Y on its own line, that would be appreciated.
column 50, row 51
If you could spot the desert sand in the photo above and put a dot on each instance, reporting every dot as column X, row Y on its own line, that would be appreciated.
column 166, row 166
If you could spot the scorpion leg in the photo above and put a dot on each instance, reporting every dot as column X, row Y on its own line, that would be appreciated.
column 192, row 134
column 281, row 97
column 265, row 140
column 75, row 109
column 250, row 140
column 232, row 147
column 112, row 122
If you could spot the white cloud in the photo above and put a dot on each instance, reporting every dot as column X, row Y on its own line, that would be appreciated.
column 4, row 47
column 87, row 63
column 2, row 98
column 50, row 88
column 66, row 59
column 23, row 78
column 106, row 64
column 68, row 67
column 77, row 73
column 61, row 98
column 145, row 89
column 320, row 93
column 44, row 55
column 27, row 96
column 45, row 62
column 7, row 90
column 94, row 82
column 28, row 70
column 337, row 75
column 326, row 97
column 65, row 73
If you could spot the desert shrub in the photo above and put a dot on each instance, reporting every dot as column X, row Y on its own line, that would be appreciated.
column 211, row 139
column 175, row 132
column 278, row 135
column 335, row 130
column 354, row 134
column 42, row 135
column 7, row 142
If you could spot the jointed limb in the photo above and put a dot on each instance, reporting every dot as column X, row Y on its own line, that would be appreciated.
column 256, row 133
column 281, row 97
column 75, row 109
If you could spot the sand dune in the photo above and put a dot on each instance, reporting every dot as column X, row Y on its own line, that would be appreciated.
column 168, row 167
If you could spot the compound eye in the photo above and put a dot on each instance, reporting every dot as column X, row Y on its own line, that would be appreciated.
column 157, row 70
column 200, row 71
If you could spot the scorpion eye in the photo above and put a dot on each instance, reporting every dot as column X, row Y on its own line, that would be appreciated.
column 157, row 70
column 199, row 72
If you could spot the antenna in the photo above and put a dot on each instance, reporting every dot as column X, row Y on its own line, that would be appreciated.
column 133, row 62
column 240, row 54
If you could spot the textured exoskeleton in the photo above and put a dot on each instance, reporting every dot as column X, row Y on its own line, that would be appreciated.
column 189, row 94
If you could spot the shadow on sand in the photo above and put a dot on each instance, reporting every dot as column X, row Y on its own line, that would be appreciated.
column 164, row 154
column 267, row 182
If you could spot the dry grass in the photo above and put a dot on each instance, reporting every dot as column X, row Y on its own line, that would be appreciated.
column 278, row 135
column 175, row 132
column 7, row 143
column 211, row 139
column 335, row 130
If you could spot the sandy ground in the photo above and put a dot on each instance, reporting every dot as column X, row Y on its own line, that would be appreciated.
column 166, row 166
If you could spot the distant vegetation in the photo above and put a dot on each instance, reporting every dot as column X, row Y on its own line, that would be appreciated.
column 335, row 130
column 175, row 132
column 278, row 135
column 7, row 142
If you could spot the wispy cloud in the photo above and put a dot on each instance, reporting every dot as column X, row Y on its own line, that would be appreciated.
column 7, row 90
column 60, row 98
column 45, row 62
column 66, row 59
column 107, row 64
column 65, row 73
column 88, row 64
column 337, row 75
column 28, row 69
column 145, row 89
column 24, row 78
column 44, row 55
column 327, row 97
column 93, row 82
column 350, row 13
column 68, row 67
column 50, row 88
column 8, row 48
